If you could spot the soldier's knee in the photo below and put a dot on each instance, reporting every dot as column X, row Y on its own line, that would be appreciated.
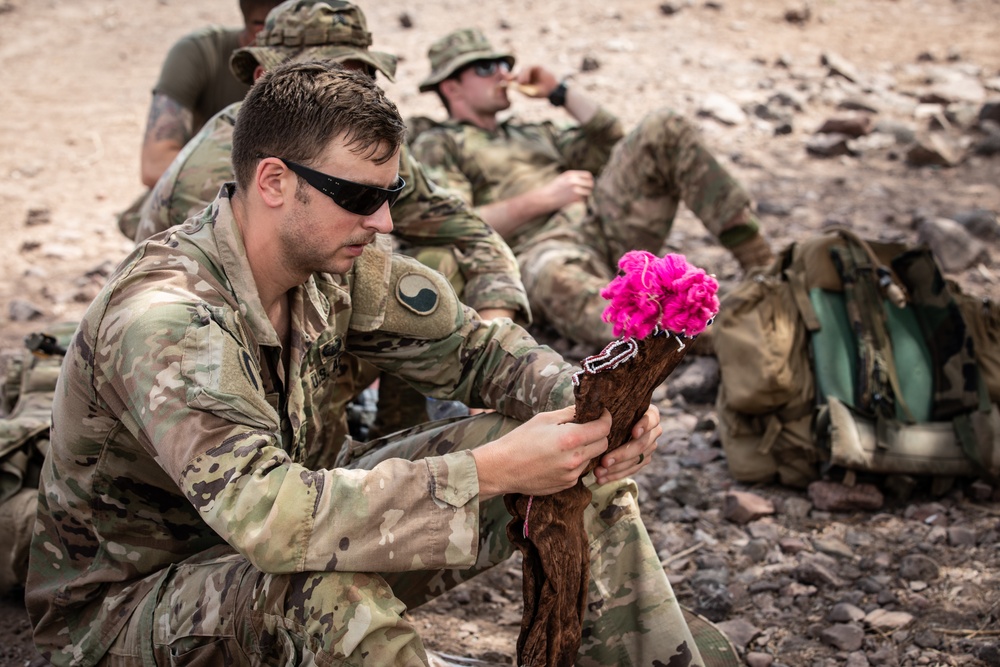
column 340, row 614
column 666, row 122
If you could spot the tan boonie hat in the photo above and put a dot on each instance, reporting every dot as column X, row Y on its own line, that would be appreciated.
column 300, row 30
column 456, row 50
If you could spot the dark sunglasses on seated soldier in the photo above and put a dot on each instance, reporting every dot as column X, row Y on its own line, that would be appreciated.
column 356, row 198
column 486, row 68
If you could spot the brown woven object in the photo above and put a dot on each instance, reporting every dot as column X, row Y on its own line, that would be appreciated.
column 555, row 549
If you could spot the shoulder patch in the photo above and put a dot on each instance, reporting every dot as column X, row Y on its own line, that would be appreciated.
column 417, row 293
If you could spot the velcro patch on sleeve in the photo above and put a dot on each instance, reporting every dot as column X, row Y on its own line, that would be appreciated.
column 418, row 293
column 423, row 303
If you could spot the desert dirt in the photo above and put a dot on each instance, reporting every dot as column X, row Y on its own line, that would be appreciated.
column 75, row 80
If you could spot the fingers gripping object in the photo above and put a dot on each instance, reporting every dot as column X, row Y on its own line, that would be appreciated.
column 655, row 305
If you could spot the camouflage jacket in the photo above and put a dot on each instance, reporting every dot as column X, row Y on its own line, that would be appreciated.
column 424, row 214
column 174, row 428
column 484, row 166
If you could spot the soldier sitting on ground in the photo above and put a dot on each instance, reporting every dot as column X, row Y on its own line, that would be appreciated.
column 192, row 504
column 571, row 201
column 432, row 225
column 194, row 84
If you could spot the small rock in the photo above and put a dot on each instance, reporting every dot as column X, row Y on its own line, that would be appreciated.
column 38, row 216
column 23, row 311
column 740, row 632
column 743, row 507
column 792, row 545
column 839, row 65
column 765, row 529
column 796, row 507
column 832, row 547
column 927, row 639
column 697, row 382
column 843, row 612
column 843, row 636
column 852, row 126
column 959, row 536
column 798, row 15
column 980, row 223
column 686, row 490
column 758, row 659
column 839, row 498
column 405, row 20
column 990, row 654
column 902, row 132
column 756, row 550
column 886, row 597
column 857, row 659
column 886, row 655
column 933, row 150
column 712, row 599
column 953, row 246
column 670, row 8
column 918, row 567
column 589, row 64
column 888, row 620
column 811, row 572
column 829, row 145
column 722, row 108
column 987, row 146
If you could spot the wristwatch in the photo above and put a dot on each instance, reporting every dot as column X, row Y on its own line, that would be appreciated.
column 557, row 97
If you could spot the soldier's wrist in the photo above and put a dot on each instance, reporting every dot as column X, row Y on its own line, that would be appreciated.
column 557, row 97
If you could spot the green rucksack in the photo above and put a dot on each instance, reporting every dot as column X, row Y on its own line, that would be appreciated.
column 860, row 355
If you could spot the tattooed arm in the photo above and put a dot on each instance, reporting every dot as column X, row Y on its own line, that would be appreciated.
column 167, row 130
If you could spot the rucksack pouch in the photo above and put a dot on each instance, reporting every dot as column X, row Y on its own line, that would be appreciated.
column 761, row 346
column 762, row 448
column 856, row 442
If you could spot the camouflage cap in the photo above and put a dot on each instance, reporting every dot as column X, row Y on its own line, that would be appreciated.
column 300, row 30
column 457, row 49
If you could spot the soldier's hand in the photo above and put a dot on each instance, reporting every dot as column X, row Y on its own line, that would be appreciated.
column 568, row 187
column 635, row 454
column 536, row 81
column 546, row 454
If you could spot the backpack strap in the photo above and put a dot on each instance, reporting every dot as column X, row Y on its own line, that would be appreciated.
column 877, row 389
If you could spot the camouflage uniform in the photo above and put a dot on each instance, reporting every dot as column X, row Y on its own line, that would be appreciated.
column 432, row 225
column 194, row 506
column 435, row 227
column 568, row 257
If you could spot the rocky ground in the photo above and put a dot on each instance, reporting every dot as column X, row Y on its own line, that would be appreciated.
column 877, row 114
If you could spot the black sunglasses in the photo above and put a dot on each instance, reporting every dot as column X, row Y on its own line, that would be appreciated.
column 356, row 198
column 486, row 68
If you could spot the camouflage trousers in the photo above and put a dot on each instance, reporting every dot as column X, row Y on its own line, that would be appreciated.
column 216, row 608
column 661, row 163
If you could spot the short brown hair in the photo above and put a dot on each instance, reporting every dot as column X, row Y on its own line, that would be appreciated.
column 295, row 110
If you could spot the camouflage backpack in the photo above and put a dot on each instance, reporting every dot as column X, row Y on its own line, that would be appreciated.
column 859, row 355
column 25, row 418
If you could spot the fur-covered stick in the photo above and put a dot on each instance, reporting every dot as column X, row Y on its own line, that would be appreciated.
column 656, row 304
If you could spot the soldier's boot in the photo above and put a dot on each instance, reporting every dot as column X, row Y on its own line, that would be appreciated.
column 17, row 521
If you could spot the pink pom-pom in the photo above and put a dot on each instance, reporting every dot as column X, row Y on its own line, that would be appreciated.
column 655, row 293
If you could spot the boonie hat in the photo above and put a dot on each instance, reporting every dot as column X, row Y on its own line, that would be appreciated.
column 300, row 30
column 456, row 50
